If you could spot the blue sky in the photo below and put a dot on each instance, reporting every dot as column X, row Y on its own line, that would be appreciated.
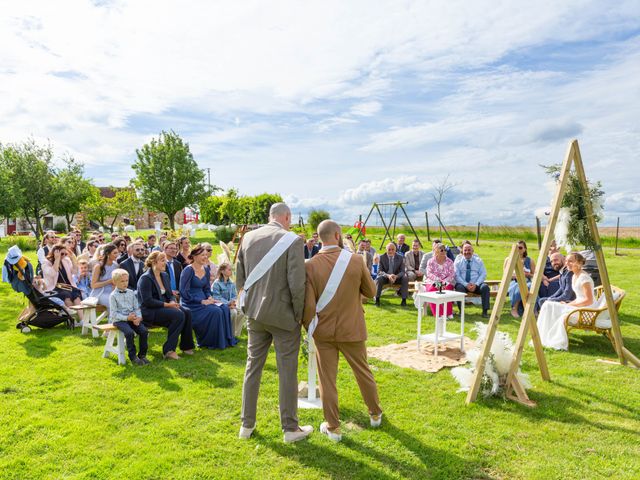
column 339, row 104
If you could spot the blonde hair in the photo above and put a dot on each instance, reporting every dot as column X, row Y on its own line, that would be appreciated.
column 118, row 273
column 152, row 259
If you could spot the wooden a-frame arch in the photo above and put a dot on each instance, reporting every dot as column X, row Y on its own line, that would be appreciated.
column 528, row 322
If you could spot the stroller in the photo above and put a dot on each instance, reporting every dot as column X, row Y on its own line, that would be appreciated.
column 44, row 311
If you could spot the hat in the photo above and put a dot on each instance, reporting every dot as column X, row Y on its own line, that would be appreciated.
column 14, row 254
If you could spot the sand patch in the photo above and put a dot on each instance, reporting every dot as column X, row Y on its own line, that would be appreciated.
column 406, row 355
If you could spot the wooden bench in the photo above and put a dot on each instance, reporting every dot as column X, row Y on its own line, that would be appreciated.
column 115, row 342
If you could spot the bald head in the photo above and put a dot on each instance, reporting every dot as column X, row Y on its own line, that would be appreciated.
column 329, row 232
column 557, row 261
column 280, row 212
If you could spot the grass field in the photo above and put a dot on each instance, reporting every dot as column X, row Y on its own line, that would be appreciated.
column 65, row 412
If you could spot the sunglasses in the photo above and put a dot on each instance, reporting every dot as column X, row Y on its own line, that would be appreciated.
column 521, row 248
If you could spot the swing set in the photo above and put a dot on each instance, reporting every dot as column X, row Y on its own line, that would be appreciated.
column 388, row 211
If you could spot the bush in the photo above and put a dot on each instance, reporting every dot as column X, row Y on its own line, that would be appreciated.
column 224, row 234
column 25, row 244
column 317, row 216
column 60, row 227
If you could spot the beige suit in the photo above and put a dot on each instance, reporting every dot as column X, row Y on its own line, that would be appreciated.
column 341, row 328
column 274, row 306
column 412, row 268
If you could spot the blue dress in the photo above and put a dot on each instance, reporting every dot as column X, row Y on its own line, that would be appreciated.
column 211, row 323
column 514, row 289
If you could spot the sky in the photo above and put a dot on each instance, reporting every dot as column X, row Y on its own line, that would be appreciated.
column 335, row 104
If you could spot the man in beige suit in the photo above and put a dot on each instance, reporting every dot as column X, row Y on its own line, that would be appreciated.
column 340, row 327
column 274, row 307
column 412, row 261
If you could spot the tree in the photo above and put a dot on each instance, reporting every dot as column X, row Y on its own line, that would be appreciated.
column 31, row 177
column 260, row 206
column 70, row 191
column 317, row 216
column 8, row 205
column 438, row 194
column 102, row 209
column 167, row 177
column 210, row 210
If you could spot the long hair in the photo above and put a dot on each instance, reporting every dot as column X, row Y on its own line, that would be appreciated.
column 58, row 246
column 221, row 268
column 105, row 256
column 525, row 253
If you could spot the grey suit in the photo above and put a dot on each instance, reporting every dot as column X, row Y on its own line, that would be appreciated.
column 274, row 306
column 411, row 266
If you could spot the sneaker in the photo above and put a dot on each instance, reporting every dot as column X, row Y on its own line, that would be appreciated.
column 333, row 436
column 245, row 433
column 137, row 361
column 145, row 360
column 300, row 434
column 376, row 420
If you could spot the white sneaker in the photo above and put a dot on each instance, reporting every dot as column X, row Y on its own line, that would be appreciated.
column 376, row 420
column 245, row 433
column 300, row 434
column 324, row 429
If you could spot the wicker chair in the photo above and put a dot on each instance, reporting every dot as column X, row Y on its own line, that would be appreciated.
column 595, row 318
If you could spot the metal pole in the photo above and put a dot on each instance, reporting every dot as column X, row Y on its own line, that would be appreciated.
column 539, row 234
column 617, row 233
column 426, row 216
column 478, row 235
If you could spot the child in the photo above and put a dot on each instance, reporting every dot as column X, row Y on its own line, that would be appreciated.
column 224, row 291
column 124, row 313
column 83, row 279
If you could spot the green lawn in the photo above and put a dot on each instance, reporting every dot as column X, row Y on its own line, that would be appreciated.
column 65, row 412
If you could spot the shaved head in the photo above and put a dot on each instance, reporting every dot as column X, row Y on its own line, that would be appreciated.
column 327, row 230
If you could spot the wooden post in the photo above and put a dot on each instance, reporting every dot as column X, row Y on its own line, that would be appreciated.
column 445, row 230
column 478, row 235
column 538, row 232
column 617, row 233
column 410, row 224
column 426, row 217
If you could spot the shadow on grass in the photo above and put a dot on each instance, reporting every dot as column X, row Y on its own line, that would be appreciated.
column 39, row 343
column 433, row 462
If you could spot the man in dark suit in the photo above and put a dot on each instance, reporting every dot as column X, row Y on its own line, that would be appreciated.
column 134, row 265
column 310, row 249
column 391, row 270
column 565, row 291
column 401, row 245
column 174, row 267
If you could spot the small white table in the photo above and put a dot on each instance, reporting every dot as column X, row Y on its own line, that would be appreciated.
column 440, row 335
column 89, row 318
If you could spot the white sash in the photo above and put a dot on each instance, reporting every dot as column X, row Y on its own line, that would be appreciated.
column 266, row 263
column 332, row 286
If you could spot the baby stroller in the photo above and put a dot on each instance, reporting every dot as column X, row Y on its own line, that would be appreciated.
column 44, row 311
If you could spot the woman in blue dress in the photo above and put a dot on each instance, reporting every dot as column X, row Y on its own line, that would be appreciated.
column 211, row 322
column 514, row 290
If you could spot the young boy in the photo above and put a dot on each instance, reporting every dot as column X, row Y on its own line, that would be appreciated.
column 124, row 313
column 83, row 279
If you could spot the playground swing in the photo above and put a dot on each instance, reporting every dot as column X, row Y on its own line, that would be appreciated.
column 387, row 213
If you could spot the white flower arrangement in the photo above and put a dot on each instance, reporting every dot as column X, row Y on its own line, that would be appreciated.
column 496, row 368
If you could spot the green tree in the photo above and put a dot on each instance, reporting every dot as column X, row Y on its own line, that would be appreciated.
column 260, row 205
column 210, row 210
column 317, row 216
column 8, row 205
column 70, row 191
column 107, row 211
column 167, row 177
column 29, row 168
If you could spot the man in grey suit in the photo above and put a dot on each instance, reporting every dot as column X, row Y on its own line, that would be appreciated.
column 412, row 262
column 274, row 306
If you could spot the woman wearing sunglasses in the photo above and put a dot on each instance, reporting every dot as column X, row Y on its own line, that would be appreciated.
column 57, row 273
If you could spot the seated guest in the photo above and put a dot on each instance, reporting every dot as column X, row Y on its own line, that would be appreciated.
column 550, row 278
column 317, row 239
column 184, row 249
column 48, row 241
column 564, row 293
column 151, row 244
column 89, row 250
column 123, row 249
column 134, row 265
column 211, row 320
column 57, row 273
column 401, row 246
column 428, row 255
column 101, row 282
column 368, row 257
column 83, row 278
column 529, row 269
column 124, row 313
column 224, row 291
column 159, row 307
column 412, row 262
column 174, row 267
column 310, row 249
column 212, row 267
column 370, row 249
column 440, row 270
column 70, row 243
column 552, row 314
column 391, row 270
column 77, row 233
column 114, row 236
column 470, row 276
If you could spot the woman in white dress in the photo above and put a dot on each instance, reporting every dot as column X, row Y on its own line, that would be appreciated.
column 553, row 314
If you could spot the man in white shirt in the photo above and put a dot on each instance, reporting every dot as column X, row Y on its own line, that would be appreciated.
column 134, row 265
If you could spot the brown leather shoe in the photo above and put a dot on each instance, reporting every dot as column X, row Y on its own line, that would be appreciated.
column 171, row 356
